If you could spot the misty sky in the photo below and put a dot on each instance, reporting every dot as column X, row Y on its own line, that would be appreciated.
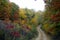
column 30, row 4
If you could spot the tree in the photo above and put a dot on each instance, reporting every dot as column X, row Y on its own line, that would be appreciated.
column 52, row 17
column 14, row 11
column 4, row 8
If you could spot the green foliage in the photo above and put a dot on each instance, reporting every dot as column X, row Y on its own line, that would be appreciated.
column 24, row 21
column 51, row 20
column 14, row 8
column 4, row 8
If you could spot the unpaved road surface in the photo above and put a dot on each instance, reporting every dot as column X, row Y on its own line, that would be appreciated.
column 41, row 35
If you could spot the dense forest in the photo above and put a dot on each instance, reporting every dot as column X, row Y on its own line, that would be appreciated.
column 17, row 23
column 21, row 23
column 51, row 18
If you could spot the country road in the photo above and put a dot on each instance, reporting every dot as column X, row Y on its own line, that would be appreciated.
column 41, row 35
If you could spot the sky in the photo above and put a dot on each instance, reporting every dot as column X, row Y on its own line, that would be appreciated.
column 30, row 4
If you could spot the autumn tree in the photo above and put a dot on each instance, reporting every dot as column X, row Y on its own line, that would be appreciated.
column 51, row 17
column 14, row 11
column 4, row 8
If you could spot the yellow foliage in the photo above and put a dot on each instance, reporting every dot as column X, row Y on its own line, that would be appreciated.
column 23, row 22
column 34, row 20
column 46, row 26
column 22, row 13
column 29, row 26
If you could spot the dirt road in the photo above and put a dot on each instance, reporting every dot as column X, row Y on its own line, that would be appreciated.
column 41, row 35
